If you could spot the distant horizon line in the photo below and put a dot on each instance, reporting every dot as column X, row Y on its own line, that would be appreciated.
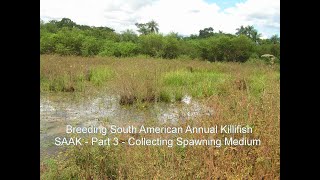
column 184, row 35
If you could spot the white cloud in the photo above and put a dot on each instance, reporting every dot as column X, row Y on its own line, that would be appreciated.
column 183, row 16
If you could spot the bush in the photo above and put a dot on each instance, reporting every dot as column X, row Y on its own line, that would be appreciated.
column 243, row 48
column 125, row 49
column 273, row 49
column 190, row 48
column 47, row 43
column 121, row 49
column 62, row 49
column 91, row 46
column 152, row 45
column 67, row 38
column 68, row 42
column 109, row 48
column 129, row 36
column 213, row 48
column 171, row 47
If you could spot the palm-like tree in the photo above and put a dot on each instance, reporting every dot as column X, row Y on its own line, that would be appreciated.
column 142, row 28
column 153, row 26
column 241, row 30
column 250, row 31
column 255, row 36
column 275, row 39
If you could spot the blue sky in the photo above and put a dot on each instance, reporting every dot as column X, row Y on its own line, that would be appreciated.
column 182, row 16
column 223, row 4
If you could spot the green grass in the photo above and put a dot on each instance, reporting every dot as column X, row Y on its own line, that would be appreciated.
column 196, row 84
column 257, row 84
column 257, row 105
column 98, row 76
column 148, row 78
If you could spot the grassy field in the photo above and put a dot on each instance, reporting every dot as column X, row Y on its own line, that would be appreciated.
column 247, row 93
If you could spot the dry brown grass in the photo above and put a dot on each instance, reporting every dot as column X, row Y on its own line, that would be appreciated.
column 257, row 105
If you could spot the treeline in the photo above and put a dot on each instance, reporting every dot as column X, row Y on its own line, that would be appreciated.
column 65, row 37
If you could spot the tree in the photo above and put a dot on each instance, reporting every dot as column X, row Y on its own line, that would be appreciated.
column 241, row 31
column 147, row 28
column 175, row 35
column 275, row 39
column 255, row 36
column 91, row 46
column 153, row 26
column 129, row 36
column 171, row 46
column 152, row 44
column 66, row 22
column 206, row 32
column 41, row 22
column 242, row 48
column 250, row 32
column 142, row 28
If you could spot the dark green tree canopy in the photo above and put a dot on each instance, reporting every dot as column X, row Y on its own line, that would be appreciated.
column 147, row 28
column 65, row 37
column 206, row 32
column 275, row 39
column 250, row 32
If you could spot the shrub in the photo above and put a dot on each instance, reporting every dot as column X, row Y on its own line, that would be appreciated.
column 91, row 46
column 171, row 47
column 190, row 48
column 129, row 36
column 109, row 48
column 152, row 45
column 47, row 43
column 68, row 42
column 125, row 49
column 243, row 48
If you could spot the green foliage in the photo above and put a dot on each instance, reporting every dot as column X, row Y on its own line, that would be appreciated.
column 242, row 48
column 250, row 32
column 147, row 28
column 125, row 49
column 206, row 32
column 257, row 84
column 63, row 49
column 226, row 48
column 103, row 34
column 190, row 48
column 120, row 49
column 47, row 43
column 152, row 45
column 51, row 26
column 129, row 36
column 65, row 37
column 197, row 84
column 100, row 75
column 91, row 46
column 66, row 22
column 256, row 61
column 273, row 49
column 69, row 42
column 108, row 48
column 171, row 47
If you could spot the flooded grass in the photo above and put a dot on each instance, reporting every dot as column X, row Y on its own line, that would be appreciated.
column 150, row 80
column 160, row 92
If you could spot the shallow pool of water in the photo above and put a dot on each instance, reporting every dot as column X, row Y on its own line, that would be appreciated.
column 54, row 116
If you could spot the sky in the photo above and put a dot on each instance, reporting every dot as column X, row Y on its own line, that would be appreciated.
column 182, row 16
